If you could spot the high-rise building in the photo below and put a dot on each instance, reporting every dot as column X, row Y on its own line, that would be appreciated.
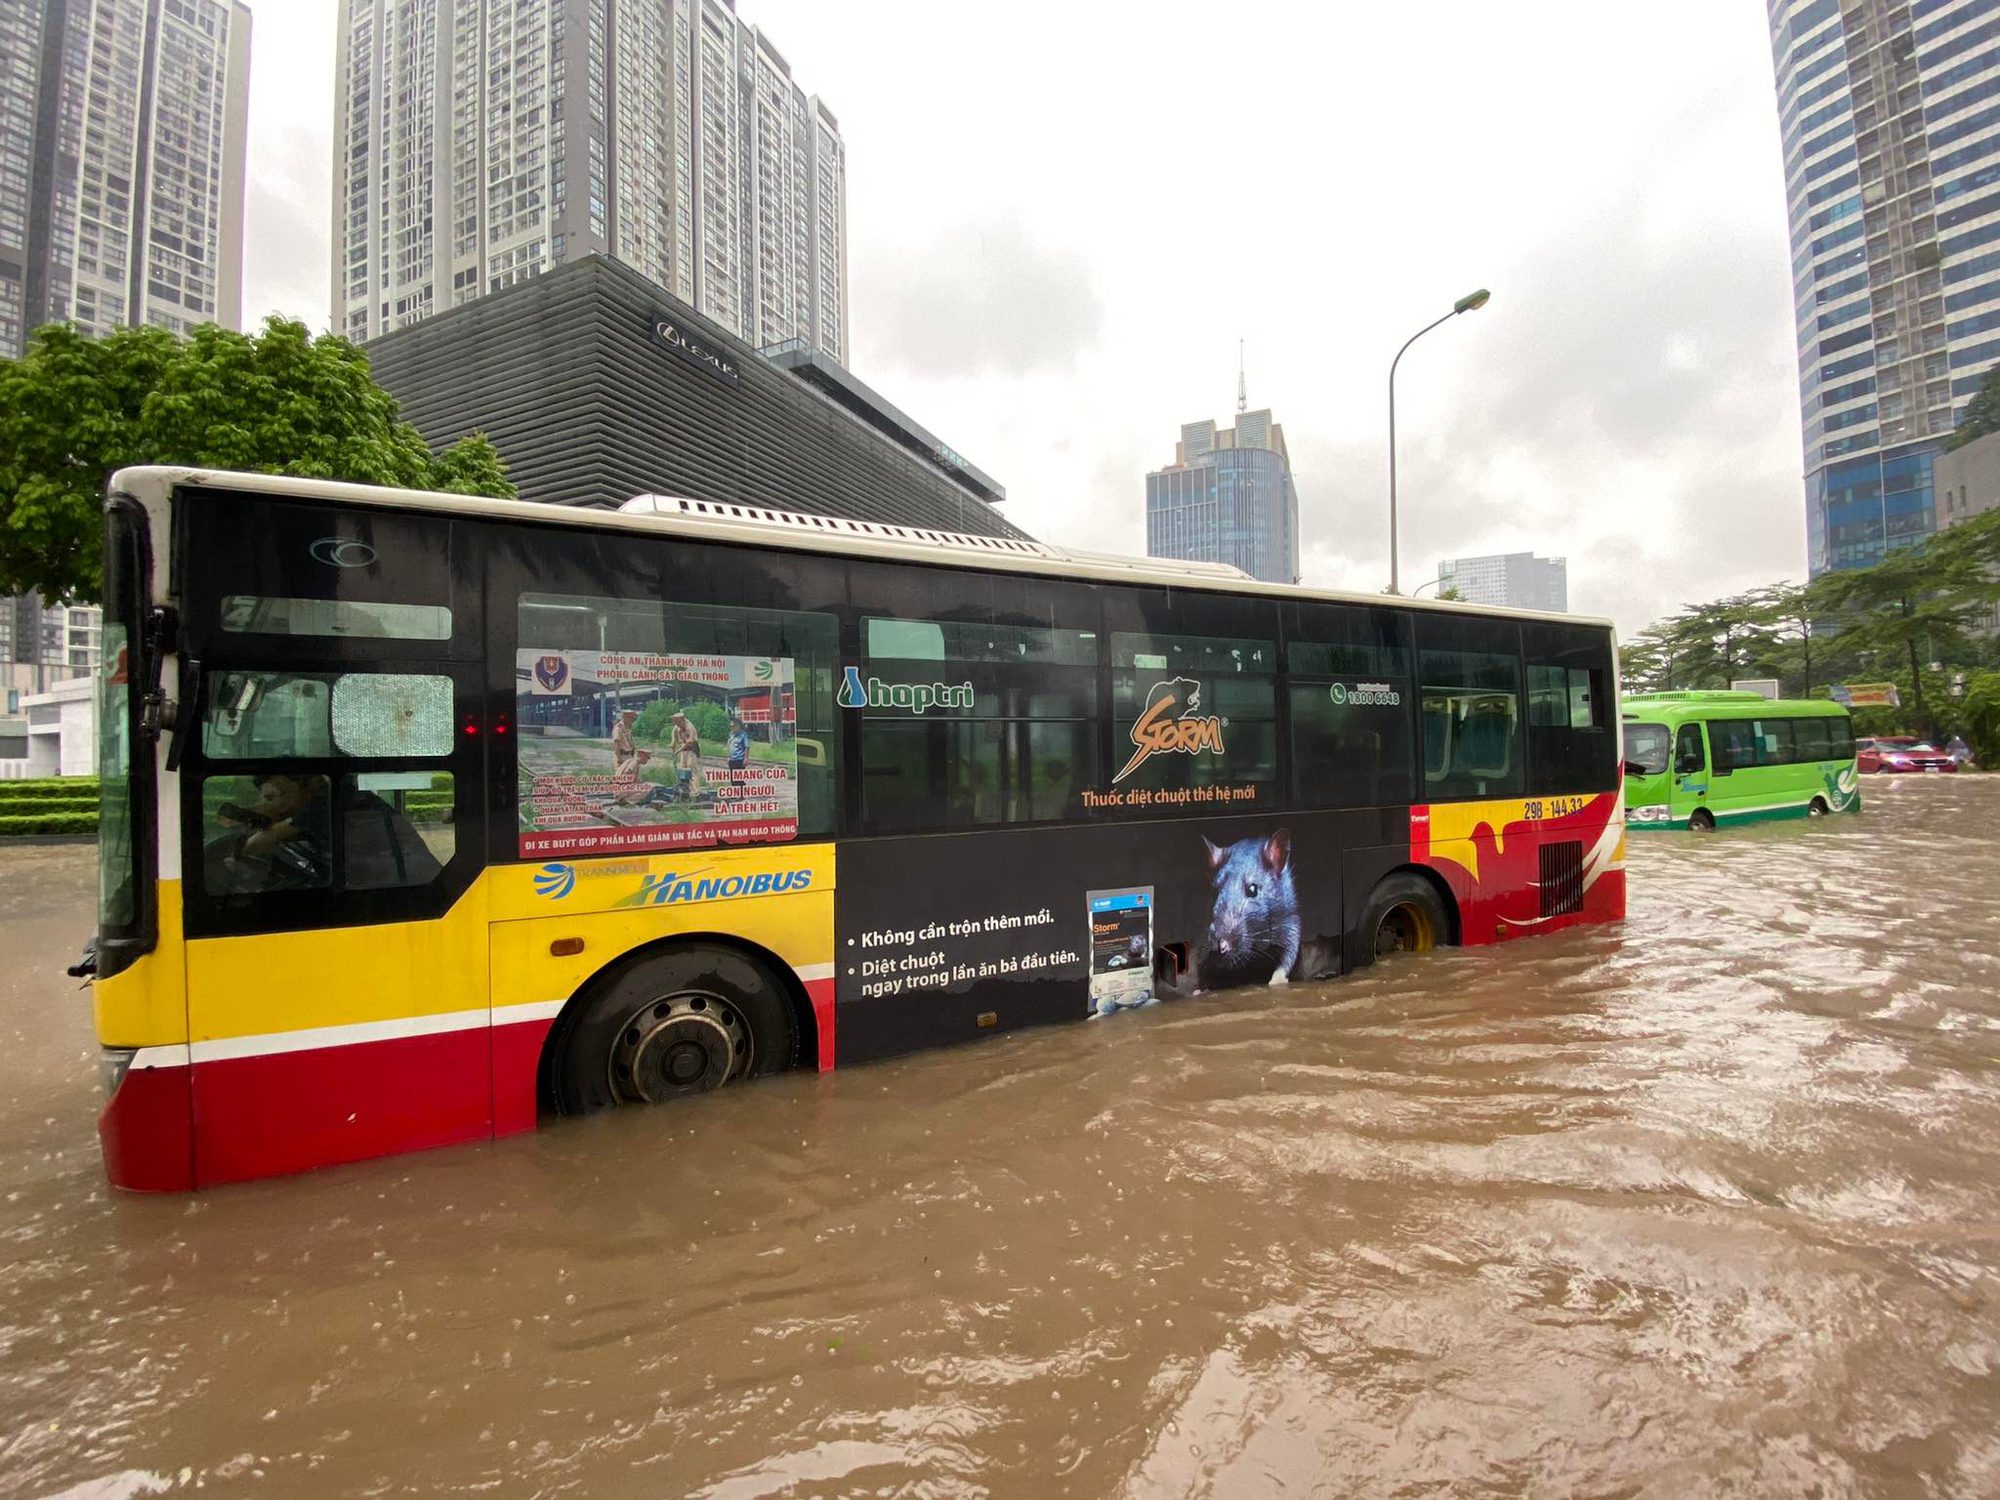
column 41, row 645
column 477, row 145
column 1228, row 497
column 122, row 135
column 1519, row 580
column 1889, row 112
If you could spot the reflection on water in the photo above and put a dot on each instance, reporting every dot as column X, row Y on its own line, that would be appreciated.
column 1706, row 1204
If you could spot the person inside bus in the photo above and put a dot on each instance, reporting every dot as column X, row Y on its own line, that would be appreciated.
column 290, row 845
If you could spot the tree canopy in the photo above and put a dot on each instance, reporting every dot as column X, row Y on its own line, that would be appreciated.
column 73, row 410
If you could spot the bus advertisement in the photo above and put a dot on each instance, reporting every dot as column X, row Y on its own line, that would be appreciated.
column 539, row 811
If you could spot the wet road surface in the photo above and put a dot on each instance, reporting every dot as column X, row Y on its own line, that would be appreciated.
column 1707, row 1204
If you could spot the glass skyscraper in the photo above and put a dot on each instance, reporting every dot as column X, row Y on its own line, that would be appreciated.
column 1890, row 116
column 1228, row 498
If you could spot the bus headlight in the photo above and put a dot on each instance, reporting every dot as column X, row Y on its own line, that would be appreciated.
column 112, row 1063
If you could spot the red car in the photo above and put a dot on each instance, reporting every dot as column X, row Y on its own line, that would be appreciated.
column 1901, row 752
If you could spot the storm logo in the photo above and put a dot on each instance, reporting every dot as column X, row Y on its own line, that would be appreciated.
column 1172, row 721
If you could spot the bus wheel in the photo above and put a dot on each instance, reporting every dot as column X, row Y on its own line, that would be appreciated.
column 1403, row 916
column 1817, row 808
column 1701, row 820
column 682, row 1022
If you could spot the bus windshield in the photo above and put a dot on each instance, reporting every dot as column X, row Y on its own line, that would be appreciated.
column 117, row 849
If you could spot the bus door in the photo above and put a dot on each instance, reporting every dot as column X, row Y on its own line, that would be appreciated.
column 332, row 813
column 1691, row 776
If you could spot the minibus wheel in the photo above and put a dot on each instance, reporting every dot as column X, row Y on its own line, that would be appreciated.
column 1701, row 820
column 1817, row 808
column 1404, row 915
column 673, row 1023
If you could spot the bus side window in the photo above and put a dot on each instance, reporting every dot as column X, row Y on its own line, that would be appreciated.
column 1688, row 757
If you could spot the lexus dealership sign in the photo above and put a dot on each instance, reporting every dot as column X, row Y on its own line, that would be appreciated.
column 688, row 345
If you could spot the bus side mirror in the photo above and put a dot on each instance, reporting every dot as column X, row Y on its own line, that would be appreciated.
column 1633, row 768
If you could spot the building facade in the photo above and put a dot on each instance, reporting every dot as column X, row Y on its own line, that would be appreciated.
column 43, row 645
column 1967, row 481
column 123, row 125
column 478, row 145
column 1889, row 112
column 596, row 386
column 1519, row 580
column 1228, row 497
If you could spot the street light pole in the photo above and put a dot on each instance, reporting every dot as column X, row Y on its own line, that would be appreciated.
column 1470, row 302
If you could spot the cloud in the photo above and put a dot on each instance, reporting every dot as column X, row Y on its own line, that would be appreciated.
column 980, row 298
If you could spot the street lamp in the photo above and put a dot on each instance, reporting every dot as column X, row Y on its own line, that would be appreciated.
column 1470, row 302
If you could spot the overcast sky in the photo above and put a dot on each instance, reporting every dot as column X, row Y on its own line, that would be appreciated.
column 1062, row 217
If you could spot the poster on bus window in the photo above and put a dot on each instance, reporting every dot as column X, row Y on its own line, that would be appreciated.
column 632, row 751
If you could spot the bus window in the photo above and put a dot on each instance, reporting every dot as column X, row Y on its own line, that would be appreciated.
column 1776, row 745
column 1219, row 693
column 1348, row 681
column 1646, row 747
column 1840, row 742
column 1004, row 731
column 645, row 723
column 1735, row 742
column 1813, row 739
column 1472, row 726
column 1689, row 757
column 260, row 715
column 283, row 831
column 1571, row 743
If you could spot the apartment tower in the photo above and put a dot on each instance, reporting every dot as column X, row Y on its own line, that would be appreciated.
column 122, row 133
column 1889, row 112
column 477, row 145
column 1228, row 497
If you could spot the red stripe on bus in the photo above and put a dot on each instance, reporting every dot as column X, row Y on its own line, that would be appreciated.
column 820, row 993
column 288, row 1111
column 147, row 1132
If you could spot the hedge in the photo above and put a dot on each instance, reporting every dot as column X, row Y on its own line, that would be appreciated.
column 66, row 822
column 11, row 807
column 46, row 786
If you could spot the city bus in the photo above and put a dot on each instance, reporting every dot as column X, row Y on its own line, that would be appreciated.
column 1701, row 758
column 426, row 818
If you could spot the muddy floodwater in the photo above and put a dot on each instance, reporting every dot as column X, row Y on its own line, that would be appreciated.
column 1704, row 1204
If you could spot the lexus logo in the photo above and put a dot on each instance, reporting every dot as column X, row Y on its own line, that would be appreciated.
column 342, row 552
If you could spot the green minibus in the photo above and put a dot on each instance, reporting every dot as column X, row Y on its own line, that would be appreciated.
column 1699, row 759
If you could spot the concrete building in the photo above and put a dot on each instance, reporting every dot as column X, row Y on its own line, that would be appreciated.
column 1228, row 497
column 52, row 733
column 476, row 146
column 122, row 134
column 596, row 386
column 42, row 646
column 1517, row 579
column 1967, row 481
column 1889, row 113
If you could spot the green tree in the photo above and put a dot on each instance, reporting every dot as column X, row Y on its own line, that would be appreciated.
column 73, row 410
column 1982, row 412
column 1918, row 603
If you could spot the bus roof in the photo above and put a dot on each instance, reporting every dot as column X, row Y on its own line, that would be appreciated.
column 760, row 526
column 1716, row 703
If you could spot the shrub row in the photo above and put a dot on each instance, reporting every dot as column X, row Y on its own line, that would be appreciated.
column 79, row 787
column 62, row 822
column 20, row 807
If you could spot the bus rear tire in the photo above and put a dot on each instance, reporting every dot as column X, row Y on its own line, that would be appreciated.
column 1404, row 915
column 680, row 1022
column 1701, row 820
column 1817, row 808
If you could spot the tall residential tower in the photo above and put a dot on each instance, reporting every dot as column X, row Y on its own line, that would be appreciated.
column 477, row 145
column 1890, row 116
column 1228, row 497
column 122, row 132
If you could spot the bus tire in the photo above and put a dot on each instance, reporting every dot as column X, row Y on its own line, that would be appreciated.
column 1404, row 914
column 1817, row 808
column 682, row 1021
column 1701, row 820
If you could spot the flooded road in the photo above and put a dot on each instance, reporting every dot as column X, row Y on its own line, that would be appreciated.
column 1706, row 1204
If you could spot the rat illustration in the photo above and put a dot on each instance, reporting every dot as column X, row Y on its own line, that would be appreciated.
column 1253, row 933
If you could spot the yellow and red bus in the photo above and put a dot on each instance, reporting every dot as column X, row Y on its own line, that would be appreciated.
column 426, row 818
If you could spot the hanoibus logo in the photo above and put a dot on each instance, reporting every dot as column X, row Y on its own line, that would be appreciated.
column 916, row 697
column 555, row 881
column 1172, row 721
